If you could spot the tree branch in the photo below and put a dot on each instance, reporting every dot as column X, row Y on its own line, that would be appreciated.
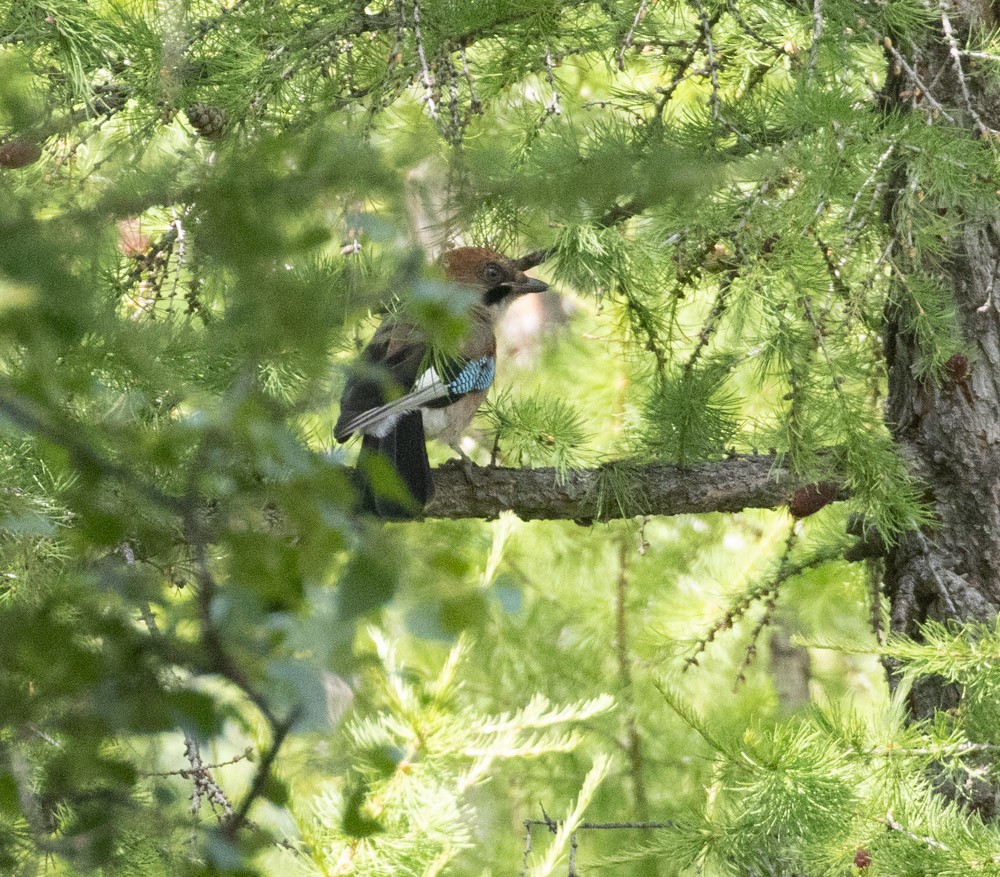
column 740, row 482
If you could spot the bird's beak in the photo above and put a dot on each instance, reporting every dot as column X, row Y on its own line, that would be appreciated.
column 524, row 284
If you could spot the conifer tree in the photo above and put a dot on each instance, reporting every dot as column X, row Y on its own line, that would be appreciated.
column 774, row 223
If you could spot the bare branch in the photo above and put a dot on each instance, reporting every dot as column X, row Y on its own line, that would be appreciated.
column 713, row 66
column 770, row 601
column 425, row 74
column 761, row 591
column 744, row 26
column 640, row 14
column 204, row 783
column 279, row 731
column 915, row 77
column 552, row 824
column 746, row 481
column 552, row 107
column 816, row 35
column 893, row 825
column 956, row 57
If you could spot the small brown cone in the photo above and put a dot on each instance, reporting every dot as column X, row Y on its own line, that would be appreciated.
column 109, row 99
column 19, row 153
column 208, row 121
column 808, row 500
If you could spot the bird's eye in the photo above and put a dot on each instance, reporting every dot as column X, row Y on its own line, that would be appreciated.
column 493, row 272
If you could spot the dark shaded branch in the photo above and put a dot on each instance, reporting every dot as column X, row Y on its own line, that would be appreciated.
column 262, row 776
column 553, row 824
column 740, row 482
column 221, row 660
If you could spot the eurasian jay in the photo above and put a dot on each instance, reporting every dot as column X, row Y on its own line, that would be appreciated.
column 403, row 392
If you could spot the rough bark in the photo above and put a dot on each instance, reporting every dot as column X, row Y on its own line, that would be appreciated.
column 730, row 485
column 950, row 433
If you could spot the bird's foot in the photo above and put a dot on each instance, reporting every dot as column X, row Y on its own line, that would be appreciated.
column 463, row 460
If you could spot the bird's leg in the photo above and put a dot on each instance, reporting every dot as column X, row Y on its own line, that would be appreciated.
column 465, row 461
column 495, row 453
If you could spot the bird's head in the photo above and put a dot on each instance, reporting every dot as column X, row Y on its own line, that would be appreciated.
column 498, row 278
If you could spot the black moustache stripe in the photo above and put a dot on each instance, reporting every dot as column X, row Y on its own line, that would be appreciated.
column 497, row 294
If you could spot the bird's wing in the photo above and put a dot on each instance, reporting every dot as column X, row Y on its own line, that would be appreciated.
column 389, row 368
column 459, row 377
column 402, row 357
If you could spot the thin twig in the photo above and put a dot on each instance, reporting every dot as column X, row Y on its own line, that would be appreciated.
column 712, row 321
column 279, row 732
column 475, row 105
column 837, row 281
column 552, row 107
column 760, row 591
column 713, row 67
column 744, row 26
column 527, row 846
column 932, row 102
column 456, row 131
column 552, row 824
column 221, row 661
column 879, row 164
column 156, row 256
column 821, row 343
column 681, row 66
column 956, row 58
column 770, row 600
column 177, row 224
column 892, row 824
column 204, row 783
column 425, row 73
column 814, row 46
column 936, row 752
column 640, row 14
column 184, row 773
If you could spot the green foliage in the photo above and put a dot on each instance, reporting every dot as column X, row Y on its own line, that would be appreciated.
column 691, row 415
column 617, row 482
column 536, row 431
column 181, row 561
column 416, row 759
column 810, row 795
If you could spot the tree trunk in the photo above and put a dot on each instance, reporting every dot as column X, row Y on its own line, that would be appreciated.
column 949, row 432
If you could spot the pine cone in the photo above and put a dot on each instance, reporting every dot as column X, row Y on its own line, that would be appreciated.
column 208, row 121
column 19, row 153
column 809, row 500
column 110, row 98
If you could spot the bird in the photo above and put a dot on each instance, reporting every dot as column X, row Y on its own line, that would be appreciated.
column 403, row 391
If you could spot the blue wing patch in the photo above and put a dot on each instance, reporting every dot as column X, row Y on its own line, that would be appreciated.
column 476, row 374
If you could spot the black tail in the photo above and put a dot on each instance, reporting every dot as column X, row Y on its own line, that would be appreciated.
column 405, row 451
